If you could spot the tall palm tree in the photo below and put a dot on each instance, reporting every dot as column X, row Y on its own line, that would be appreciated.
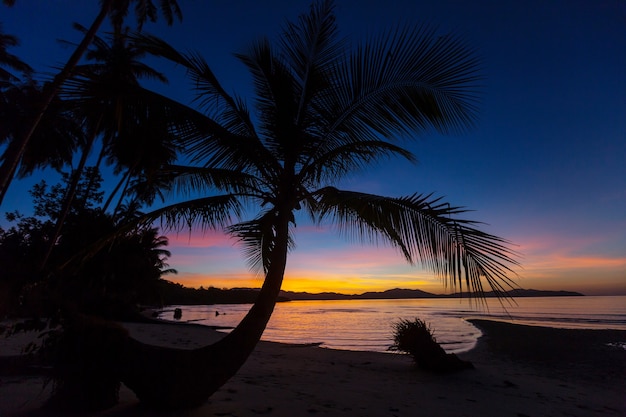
column 99, row 92
column 322, row 112
column 117, row 10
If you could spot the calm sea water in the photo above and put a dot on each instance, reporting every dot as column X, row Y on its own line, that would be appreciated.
column 368, row 324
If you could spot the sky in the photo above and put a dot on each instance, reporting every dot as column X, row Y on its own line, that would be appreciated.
column 545, row 166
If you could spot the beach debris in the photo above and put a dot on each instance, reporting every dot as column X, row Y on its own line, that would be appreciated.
column 416, row 338
column 618, row 345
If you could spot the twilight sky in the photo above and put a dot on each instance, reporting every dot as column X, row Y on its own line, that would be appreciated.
column 545, row 167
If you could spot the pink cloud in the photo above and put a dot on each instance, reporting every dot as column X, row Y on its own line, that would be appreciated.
column 199, row 239
column 324, row 262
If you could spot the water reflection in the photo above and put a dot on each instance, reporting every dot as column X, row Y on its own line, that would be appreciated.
column 367, row 324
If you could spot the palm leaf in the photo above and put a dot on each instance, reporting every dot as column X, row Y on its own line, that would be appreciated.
column 311, row 46
column 257, row 238
column 404, row 82
column 229, row 111
column 426, row 230
column 185, row 180
column 348, row 157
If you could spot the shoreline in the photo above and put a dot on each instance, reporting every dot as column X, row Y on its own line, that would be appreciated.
column 370, row 327
column 520, row 371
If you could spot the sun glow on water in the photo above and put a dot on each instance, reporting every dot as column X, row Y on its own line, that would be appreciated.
column 367, row 324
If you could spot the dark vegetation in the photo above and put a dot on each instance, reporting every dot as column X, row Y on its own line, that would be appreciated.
column 417, row 339
column 111, row 282
column 176, row 294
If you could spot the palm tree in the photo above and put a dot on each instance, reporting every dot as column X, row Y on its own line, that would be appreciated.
column 323, row 111
column 11, row 61
column 117, row 10
column 100, row 92
column 53, row 144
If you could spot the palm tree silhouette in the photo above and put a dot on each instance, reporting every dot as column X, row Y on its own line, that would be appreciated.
column 53, row 144
column 8, row 60
column 323, row 111
column 99, row 93
column 117, row 9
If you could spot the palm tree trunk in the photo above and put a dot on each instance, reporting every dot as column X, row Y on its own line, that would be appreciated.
column 120, row 200
column 91, row 184
column 10, row 153
column 115, row 190
column 68, row 199
column 7, row 170
column 174, row 378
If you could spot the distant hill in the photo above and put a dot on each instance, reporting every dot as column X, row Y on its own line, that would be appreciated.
column 399, row 293
column 542, row 293
column 396, row 293
column 176, row 294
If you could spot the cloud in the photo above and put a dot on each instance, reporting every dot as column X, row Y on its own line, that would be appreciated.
column 200, row 239
column 324, row 262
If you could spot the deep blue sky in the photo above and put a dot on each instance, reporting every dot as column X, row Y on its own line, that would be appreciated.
column 545, row 166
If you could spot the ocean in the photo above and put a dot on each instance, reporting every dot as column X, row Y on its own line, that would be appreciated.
column 368, row 324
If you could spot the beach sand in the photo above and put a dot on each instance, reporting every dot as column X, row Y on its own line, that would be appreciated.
column 520, row 371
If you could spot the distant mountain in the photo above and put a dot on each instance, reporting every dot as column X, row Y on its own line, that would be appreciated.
column 542, row 293
column 396, row 293
column 291, row 295
column 173, row 294
column 399, row 293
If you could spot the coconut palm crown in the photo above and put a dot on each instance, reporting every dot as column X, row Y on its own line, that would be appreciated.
column 322, row 111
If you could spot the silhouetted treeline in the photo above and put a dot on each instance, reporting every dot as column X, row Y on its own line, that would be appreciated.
column 176, row 294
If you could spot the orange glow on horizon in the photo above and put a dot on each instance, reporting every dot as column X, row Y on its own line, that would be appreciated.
column 319, row 264
column 337, row 284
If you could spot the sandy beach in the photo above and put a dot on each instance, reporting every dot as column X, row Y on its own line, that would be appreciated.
column 521, row 371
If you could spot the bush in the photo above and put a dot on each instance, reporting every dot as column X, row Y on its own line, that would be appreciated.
column 417, row 339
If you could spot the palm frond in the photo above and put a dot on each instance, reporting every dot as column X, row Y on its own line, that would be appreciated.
column 10, row 60
column 145, row 11
column 405, row 82
column 348, row 157
column 426, row 230
column 213, row 212
column 311, row 46
column 276, row 98
column 257, row 238
column 207, row 213
column 229, row 111
column 185, row 180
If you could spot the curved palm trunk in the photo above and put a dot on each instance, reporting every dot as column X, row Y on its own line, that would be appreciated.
column 7, row 170
column 175, row 378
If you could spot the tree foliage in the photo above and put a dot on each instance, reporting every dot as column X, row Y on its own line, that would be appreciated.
column 123, row 273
